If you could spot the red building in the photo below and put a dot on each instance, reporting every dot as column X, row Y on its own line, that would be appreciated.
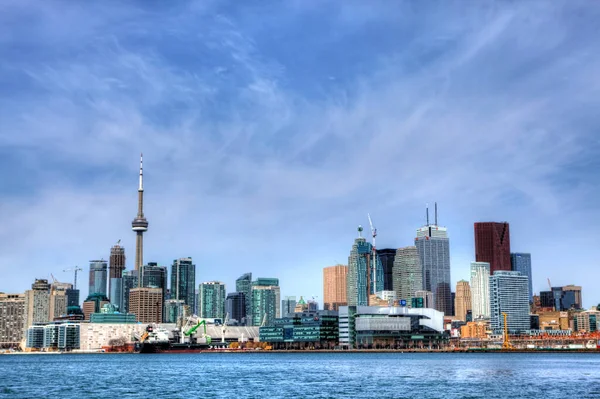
column 492, row 245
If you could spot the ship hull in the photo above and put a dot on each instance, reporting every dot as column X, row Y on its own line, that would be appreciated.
column 168, row 347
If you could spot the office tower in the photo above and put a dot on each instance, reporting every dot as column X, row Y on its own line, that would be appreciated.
column 288, row 305
column 509, row 294
column 480, row 290
column 362, row 272
column 154, row 276
column 427, row 298
column 211, row 300
column 140, row 224
column 408, row 273
column 547, row 299
column 562, row 298
column 183, row 282
column 572, row 297
column 72, row 297
column 174, row 308
column 116, row 265
column 235, row 305
column 264, row 304
column 12, row 316
column 462, row 301
column 244, row 285
column 433, row 246
column 116, row 292
column 492, row 245
column 335, row 280
column 146, row 304
column 387, row 256
column 58, row 299
column 98, row 277
column 128, row 282
column 37, row 303
column 521, row 262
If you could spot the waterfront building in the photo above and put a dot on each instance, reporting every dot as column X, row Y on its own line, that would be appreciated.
column 235, row 304
column 408, row 273
column 433, row 246
column 98, row 277
column 463, row 300
column 475, row 329
column 140, row 224
column 37, row 303
column 521, row 262
column 58, row 299
column 12, row 318
column 387, row 256
column 335, row 281
column 146, row 304
column 243, row 284
column 93, row 303
column 587, row 321
column 492, row 245
column 35, row 337
column 51, row 336
column 426, row 299
column 68, row 336
column 307, row 330
column 288, row 306
column 509, row 293
column 116, row 266
column 480, row 290
column 128, row 282
column 183, row 282
column 265, row 300
column 365, row 275
column 373, row 327
column 211, row 300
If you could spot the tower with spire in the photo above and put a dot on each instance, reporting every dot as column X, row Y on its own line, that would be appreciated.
column 140, row 224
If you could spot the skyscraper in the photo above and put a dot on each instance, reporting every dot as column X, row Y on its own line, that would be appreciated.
column 116, row 265
column 288, row 304
column 235, row 304
column 140, row 224
column 462, row 300
column 146, row 304
column 211, row 300
column 154, row 276
column 480, row 290
column 183, row 282
column 434, row 252
column 274, row 284
column 128, row 282
column 521, row 262
column 12, row 317
column 58, row 299
column 264, row 304
column 387, row 256
column 492, row 245
column 98, row 277
column 37, row 303
column 509, row 294
column 334, row 287
column 362, row 272
column 408, row 273
column 244, row 285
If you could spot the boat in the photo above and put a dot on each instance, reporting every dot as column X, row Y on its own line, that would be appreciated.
column 157, row 340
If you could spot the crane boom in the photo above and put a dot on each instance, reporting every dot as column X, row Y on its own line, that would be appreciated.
column 194, row 328
column 74, row 269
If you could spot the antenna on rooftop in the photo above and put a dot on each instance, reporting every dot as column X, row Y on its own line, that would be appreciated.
column 436, row 214
column 427, row 213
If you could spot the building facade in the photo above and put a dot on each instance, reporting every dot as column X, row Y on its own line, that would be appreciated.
column 235, row 305
column 408, row 273
column 116, row 266
column 12, row 319
column 462, row 301
column 480, row 290
column 308, row 330
column 154, row 276
column 128, row 282
column 243, row 284
column 427, row 298
column 365, row 275
column 37, row 303
column 521, row 262
column 146, row 304
column 335, row 282
column 264, row 304
column 492, row 245
column 211, row 300
column 509, row 293
column 183, row 282
column 387, row 256
column 288, row 306
column 433, row 246
column 59, row 299
column 98, row 277
column 174, row 309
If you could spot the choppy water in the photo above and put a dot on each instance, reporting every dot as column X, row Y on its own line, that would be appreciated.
column 302, row 375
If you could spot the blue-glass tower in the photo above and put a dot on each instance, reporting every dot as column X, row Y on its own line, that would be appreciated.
column 365, row 272
column 521, row 262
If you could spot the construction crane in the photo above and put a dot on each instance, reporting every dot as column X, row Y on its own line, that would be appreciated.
column 374, row 260
column 74, row 269
column 506, row 345
column 224, row 328
column 549, row 284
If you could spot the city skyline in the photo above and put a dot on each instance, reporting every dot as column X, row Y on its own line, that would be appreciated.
column 250, row 146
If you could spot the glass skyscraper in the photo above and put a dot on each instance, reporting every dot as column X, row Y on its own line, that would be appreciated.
column 363, row 279
column 434, row 251
column 264, row 304
column 408, row 274
column 98, row 277
column 521, row 262
column 183, row 281
column 211, row 300
column 129, row 281
column 235, row 305
column 244, row 285
column 509, row 293
column 387, row 256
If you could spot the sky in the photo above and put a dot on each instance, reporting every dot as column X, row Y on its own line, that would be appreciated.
column 270, row 129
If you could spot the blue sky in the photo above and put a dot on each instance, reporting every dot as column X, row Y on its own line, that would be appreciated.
column 270, row 129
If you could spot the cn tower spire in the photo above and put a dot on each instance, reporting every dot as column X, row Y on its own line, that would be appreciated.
column 140, row 224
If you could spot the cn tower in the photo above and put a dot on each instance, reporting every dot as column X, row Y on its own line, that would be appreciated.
column 140, row 224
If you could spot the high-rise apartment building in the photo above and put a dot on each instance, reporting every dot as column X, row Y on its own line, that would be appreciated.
column 335, row 280
column 116, row 266
column 433, row 246
column 37, row 303
column 365, row 274
column 492, row 245
column 211, row 300
column 59, row 299
column 288, row 305
column 183, row 282
column 155, row 276
column 265, row 301
column 98, row 277
column 480, row 290
column 462, row 301
column 235, row 305
column 408, row 273
column 387, row 256
column 146, row 304
column 244, row 285
column 521, row 262
column 12, row 317
column 140, row 224
column 509, row 294
column 173, row 310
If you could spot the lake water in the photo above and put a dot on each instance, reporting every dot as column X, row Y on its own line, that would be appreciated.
column 302, row 375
